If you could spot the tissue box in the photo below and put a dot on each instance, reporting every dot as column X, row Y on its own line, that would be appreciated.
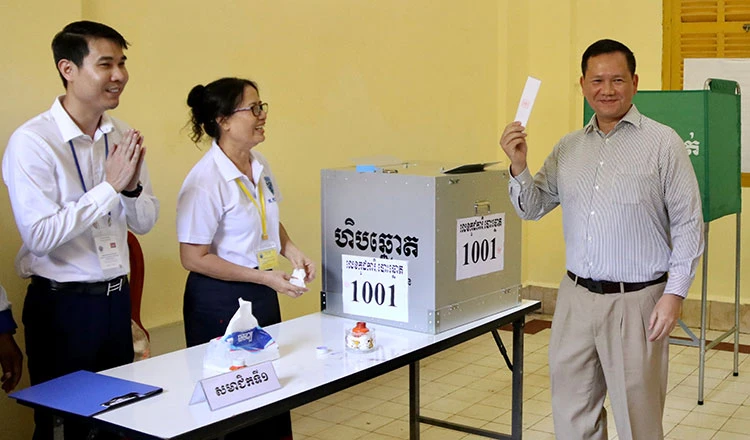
column 221, row 356
column 244, row 343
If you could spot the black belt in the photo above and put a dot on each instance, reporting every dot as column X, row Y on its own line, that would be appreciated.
column 97, row 288
column 611, row 286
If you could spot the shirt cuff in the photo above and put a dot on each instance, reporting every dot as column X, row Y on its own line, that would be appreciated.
column 524, row 179
column 104, row 196
column 7, row 323
column 678, row 285
column 130, row 203
column 516, row 185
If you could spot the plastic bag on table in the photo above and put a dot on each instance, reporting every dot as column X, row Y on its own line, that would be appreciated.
column 244, row 343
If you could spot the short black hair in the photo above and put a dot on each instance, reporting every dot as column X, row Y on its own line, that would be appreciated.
column 607, row 46
column 72, row 43
column 214, row 100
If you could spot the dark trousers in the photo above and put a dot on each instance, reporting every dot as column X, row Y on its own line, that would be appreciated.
column 208, row 307
column 67, row 332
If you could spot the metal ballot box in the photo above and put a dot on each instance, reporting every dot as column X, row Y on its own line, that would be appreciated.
column 416, row 247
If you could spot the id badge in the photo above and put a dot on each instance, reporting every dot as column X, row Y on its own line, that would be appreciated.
column 107, row 247
column 267, row 256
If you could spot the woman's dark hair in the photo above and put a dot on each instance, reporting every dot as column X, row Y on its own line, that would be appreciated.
column 215, row 100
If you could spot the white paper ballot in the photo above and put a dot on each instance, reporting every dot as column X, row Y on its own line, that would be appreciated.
column 527, row 100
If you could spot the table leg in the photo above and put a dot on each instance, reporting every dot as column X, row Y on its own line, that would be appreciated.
column 414, row 400
column 58, row 430
column 517, row 399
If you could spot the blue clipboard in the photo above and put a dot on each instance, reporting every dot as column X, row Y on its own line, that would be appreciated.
column 84, row 393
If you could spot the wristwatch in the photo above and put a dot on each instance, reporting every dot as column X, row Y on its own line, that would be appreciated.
column 134, row 193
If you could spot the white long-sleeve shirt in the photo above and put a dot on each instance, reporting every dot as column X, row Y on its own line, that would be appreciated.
column 53, row 213
column 630, row 202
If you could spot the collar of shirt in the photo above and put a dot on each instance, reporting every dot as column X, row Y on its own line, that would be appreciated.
column 633, row 117
column 69, row 129
column 229, row 170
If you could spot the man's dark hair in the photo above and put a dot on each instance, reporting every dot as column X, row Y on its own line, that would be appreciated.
column 72, row 43
column 607, row 46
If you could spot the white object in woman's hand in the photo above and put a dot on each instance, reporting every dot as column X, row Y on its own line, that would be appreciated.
column 298, row 277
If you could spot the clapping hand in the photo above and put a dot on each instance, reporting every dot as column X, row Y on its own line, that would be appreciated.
column 123, row 166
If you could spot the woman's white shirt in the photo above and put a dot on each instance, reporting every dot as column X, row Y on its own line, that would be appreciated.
column 213, row 210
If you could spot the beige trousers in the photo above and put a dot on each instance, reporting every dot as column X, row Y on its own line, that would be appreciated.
column 599, row 344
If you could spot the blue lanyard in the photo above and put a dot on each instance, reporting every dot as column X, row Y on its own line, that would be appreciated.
column 75, row 158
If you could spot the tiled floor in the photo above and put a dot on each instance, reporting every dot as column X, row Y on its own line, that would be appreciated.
column 470, row 384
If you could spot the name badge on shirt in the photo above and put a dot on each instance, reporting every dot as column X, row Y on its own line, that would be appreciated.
column 267, row 255
column 107, row 247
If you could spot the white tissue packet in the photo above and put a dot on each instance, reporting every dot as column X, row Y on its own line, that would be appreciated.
column 298, row 277
column 244, row 343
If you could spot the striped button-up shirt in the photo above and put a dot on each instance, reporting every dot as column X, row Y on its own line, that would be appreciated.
column 630, row 202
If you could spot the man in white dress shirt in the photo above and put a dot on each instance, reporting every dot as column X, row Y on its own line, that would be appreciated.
column 77, row 182
column 631, row 215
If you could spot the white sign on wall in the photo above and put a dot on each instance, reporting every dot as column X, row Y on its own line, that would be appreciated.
column 480, row 245
column 698, row 70
column 375, row 287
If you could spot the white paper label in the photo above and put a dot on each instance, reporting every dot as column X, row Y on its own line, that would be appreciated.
column 527, row 100
column 107, row 247
column 480, row 245
column 235, row 386
column 375, row 287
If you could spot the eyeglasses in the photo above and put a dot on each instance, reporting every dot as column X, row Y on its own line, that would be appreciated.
column 255, row 108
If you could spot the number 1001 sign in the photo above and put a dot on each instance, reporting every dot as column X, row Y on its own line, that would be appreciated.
column 375, row 287
column 480, row 243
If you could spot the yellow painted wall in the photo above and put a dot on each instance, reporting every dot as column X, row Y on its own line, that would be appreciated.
column 416, row 79
column 344, row 79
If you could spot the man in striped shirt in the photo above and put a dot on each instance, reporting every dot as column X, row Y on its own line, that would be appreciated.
column 631, row 215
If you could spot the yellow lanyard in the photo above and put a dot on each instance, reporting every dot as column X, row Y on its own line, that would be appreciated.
column 262, row 208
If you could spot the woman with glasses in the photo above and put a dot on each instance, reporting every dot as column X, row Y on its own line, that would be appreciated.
column 228, row 224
